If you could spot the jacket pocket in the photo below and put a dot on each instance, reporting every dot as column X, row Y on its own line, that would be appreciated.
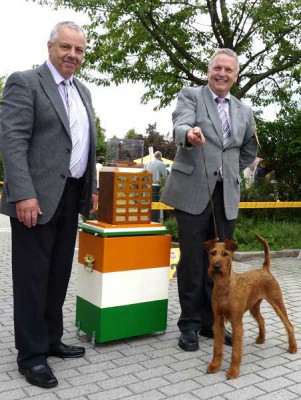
column 186, row 169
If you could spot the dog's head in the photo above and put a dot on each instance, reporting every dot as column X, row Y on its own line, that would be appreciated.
column 220, row 256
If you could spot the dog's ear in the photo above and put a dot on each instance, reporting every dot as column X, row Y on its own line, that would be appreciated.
column 209, row 244
column 230, row 245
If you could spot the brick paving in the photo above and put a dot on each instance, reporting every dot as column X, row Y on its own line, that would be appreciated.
column 152, row 367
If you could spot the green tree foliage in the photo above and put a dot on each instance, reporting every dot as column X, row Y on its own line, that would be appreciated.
column 132, row 134
column 159, row 142
column 280, row 142
column 2, row 78
column 100, row 138
column 167, row 44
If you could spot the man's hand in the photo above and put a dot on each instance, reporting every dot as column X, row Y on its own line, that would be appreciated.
column 195, row 136
column 94, row 202
column 28, row 211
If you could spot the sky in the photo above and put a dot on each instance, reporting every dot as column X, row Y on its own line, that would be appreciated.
column 24, row 32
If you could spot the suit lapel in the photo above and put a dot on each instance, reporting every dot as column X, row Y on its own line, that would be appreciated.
column 235, row 116
column 52, row 92
column 212, row 112
column 85, row 100
column 89, row 110
column 234, row 111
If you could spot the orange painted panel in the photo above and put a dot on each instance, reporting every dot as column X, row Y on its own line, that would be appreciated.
column 124, row 253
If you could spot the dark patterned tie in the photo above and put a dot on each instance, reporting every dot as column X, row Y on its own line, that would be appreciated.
column 75, row 154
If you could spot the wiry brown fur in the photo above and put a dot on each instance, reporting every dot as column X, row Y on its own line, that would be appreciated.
column 234, row 294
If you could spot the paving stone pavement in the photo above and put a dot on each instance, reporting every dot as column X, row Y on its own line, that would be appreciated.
column 152, row 367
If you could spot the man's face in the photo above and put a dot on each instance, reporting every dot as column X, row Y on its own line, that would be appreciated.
column 222, row 74
column 68, row 51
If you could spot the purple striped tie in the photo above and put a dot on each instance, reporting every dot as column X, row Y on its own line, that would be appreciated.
column 75, row 154
column 225, row 124
column 224, row 119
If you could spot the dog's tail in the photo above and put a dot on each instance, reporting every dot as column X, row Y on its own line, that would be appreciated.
column 267, row 261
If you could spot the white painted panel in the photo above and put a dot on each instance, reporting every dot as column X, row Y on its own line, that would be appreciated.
column 121, row 288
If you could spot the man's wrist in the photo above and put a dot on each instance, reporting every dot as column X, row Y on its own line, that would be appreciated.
column 187, row 142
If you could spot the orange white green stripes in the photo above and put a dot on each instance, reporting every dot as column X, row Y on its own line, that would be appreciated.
column 126, row 294
column 122, row 288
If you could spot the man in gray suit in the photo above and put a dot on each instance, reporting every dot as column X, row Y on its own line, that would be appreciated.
column 215, row 134
column 49, row 165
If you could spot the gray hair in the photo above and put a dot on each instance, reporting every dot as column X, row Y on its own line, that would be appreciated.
column 69, row 24
column 229, row 52
column 158, row 155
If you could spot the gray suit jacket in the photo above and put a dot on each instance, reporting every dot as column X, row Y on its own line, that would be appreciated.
column 186, row 187
column 35, row 141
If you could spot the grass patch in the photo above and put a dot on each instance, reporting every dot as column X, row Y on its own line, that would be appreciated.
column 280, row 235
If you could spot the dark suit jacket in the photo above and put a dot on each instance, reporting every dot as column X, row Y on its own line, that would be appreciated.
column 36, row 144
column 186, row 188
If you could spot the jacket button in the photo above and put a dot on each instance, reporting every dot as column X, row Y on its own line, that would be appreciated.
column 63, row 176
column 215, row 173
column 67, row 151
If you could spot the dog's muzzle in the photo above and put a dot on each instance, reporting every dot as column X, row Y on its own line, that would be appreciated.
column 216, row 267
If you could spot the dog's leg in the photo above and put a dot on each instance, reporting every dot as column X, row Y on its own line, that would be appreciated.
column 237, row 329
column 255, row 312
column 219, row 333
column 275, row 299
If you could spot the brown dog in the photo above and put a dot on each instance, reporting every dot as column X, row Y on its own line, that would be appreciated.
column 234, row 294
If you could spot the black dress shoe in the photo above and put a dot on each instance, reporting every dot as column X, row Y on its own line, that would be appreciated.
column 189, row 340
column 39, row 375
column 62, row 350
column 207, row 331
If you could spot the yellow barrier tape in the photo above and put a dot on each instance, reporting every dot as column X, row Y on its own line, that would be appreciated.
column 270, row 204
column 156, row 205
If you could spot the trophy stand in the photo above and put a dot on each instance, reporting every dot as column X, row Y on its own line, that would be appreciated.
column 124, row 260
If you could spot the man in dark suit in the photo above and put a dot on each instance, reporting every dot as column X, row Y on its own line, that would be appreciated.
column 215, row 133
column 50, row 178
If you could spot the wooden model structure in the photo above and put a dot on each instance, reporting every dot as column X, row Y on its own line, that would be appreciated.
column 125, row 197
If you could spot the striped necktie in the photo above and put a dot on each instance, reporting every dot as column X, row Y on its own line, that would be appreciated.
column 224, row 119
column 225, row 125
column 73, row 122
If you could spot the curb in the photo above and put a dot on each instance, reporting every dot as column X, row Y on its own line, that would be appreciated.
column 248, row 255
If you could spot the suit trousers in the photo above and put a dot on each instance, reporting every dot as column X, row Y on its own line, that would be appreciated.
column 41, row 266
column 194, row 284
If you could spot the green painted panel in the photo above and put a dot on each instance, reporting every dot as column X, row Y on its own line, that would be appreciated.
column 115, row 323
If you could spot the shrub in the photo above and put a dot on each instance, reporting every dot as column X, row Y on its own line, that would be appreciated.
column 280, row 234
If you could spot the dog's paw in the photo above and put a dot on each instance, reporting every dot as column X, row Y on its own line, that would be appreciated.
column 213, row 368
column 293, row 348
column 232, row 373
column 260, row 340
